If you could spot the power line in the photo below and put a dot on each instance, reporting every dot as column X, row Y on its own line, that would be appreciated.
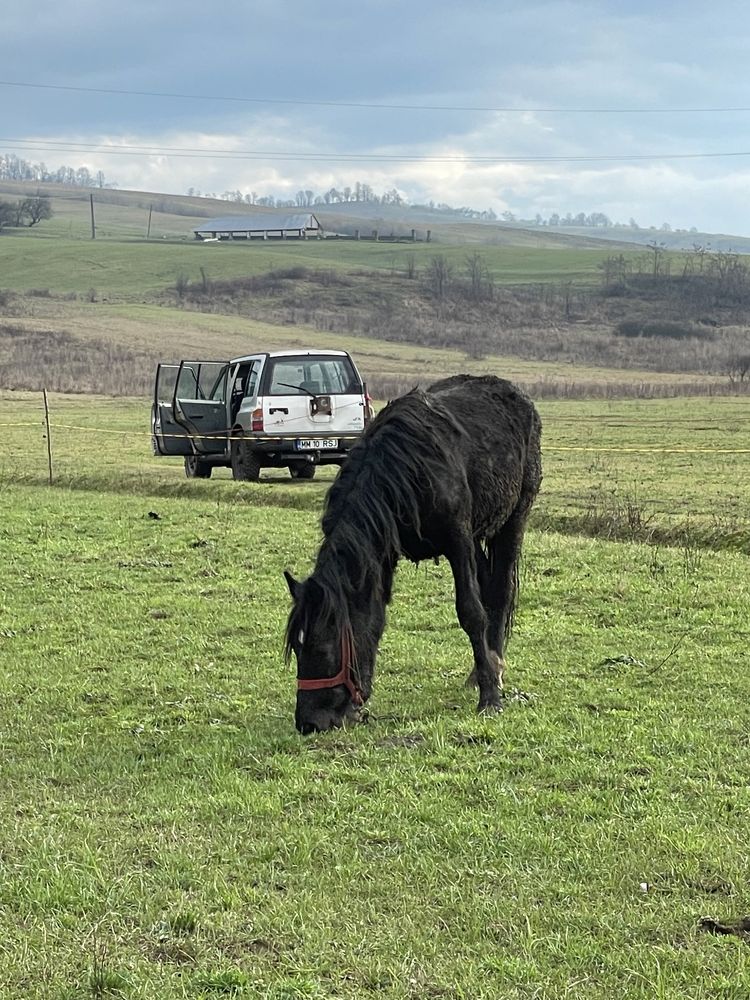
column 128, row 149
column 375, row 106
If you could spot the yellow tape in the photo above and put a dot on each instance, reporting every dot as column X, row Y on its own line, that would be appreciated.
column 651, row 451
column 37, row 423
column 629, row 449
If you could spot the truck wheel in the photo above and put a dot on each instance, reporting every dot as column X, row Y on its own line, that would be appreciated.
column 306, row 471
column 196, row 469
column 245, row 462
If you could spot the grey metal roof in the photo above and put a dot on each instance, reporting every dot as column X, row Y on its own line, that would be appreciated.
column 258, row 223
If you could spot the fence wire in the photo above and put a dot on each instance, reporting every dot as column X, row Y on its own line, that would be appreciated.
column 669, row 480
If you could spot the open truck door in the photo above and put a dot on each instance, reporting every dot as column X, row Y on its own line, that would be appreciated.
column 190, row 410
column 168, row 437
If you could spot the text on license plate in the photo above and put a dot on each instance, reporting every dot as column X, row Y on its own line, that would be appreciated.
column 316, row 444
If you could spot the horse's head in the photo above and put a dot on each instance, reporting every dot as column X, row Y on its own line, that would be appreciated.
column 320, row 635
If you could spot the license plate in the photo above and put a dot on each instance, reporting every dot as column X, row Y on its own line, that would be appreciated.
column 317, row 444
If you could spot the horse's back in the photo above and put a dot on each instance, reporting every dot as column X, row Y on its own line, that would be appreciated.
column 467, row 449
column 482, row 398
column 500, row 444
column 492, row 412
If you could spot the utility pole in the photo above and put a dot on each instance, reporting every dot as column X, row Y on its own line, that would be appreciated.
column 148, row 230
column 93, row 225
column 48, row 435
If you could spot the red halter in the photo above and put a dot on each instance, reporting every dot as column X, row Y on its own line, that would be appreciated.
column 344, row 676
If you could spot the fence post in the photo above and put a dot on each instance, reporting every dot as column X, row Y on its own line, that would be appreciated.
column 48, row 435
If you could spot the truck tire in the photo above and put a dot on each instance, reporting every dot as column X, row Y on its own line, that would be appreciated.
column 195, row 468
column 245, row 462
column 299, row 471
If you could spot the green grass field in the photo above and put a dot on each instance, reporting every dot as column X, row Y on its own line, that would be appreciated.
column 673, row 470
column 165, row 832
column 127, row 268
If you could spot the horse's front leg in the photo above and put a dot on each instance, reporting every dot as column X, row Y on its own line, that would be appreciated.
column 473, row 620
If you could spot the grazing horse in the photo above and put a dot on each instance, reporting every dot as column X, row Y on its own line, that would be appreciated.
column 451, row 471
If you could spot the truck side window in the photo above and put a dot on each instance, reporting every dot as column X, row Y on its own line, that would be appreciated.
column 251, row 382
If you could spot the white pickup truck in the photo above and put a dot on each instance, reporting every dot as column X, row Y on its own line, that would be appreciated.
column 294, row 409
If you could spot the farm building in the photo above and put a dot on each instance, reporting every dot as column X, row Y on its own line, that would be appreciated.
column 261, row 226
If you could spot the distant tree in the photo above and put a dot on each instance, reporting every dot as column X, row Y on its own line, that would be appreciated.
column 7, row 214
column 615, row 269
column 439, row 276
column 30, row 211
column 480, row 279
column 508, row 216
column 19, row 211
column 738, row 366
column 392, row 197
column 658, row 251
column 26, row 211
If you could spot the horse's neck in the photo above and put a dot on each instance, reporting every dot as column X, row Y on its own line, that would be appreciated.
column 363, row 570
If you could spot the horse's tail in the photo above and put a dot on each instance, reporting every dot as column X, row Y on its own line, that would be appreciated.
column 515, row 583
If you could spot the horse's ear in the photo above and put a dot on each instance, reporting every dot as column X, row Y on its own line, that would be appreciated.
column 293, row 584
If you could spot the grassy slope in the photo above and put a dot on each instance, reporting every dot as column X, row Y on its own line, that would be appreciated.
column 129, row 269
column 165, row 833
column 125, row 274
column 126, row 212
column 170, row 334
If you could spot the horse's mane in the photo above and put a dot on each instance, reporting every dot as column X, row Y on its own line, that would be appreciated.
column 381, row 486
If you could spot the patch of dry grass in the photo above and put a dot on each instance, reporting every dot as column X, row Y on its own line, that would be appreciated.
column 80, row 346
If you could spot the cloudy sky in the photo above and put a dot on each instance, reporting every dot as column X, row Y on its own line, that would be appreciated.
column 521, row 106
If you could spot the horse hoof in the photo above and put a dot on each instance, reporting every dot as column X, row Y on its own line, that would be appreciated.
column 490, row 707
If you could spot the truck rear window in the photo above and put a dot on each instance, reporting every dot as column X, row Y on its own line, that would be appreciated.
column 302, row 376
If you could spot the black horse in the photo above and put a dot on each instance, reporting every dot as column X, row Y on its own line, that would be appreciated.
column 451, row 471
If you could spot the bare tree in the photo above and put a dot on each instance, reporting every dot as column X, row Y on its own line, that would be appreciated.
column 480, row 279
column 7, row 214
column 738, row 367
column 36, row 209
column 439, row 276
column 658, row 251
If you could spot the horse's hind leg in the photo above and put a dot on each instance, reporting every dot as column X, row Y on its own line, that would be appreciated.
column 473, row 620
column 500, row 581
column 484, row 576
